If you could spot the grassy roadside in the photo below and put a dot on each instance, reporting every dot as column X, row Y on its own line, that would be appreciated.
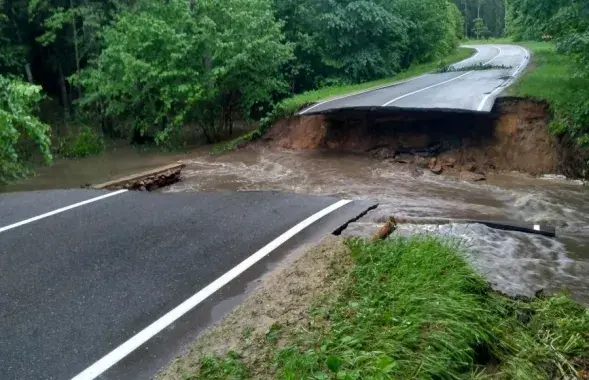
column 413, row 308
column 556, row 78
column 290, row 106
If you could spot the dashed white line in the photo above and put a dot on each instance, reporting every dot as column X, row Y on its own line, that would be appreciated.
column 150, row 331
column 60, row 210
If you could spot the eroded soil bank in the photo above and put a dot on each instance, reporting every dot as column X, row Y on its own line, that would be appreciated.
column 513, row 137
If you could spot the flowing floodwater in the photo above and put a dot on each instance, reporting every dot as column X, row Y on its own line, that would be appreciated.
column 513, row 262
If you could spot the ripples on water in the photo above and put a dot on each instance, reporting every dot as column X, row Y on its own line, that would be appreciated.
column 514, row 262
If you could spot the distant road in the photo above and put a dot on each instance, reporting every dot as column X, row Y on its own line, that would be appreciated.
column 465, row 90
column 95, row 283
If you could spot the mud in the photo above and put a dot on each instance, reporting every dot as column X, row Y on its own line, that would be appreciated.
column 513, row 137
column 276, row 309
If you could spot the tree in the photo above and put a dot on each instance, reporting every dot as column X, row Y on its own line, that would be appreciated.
column 18, row 126
column 491, row 11
column 170, row 64
column 480, row 30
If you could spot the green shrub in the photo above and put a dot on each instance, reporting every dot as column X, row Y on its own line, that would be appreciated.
column 82, row 144
column 20, row 127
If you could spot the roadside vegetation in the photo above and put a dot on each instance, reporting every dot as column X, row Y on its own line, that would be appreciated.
column 563, row 81
column 154, row 72
column 290, row 106
column 415, row 308
column 560, row 70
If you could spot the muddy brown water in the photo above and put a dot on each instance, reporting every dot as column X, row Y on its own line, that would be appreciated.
column 513, row 262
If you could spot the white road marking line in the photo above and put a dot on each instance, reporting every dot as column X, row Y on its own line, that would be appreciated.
column 503, row 85
column 60, row 210
column 381, row 87
column 150, row 331
column 441, row 83
column 360, row 92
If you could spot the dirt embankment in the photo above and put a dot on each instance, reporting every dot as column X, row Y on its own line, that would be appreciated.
column 513, row 137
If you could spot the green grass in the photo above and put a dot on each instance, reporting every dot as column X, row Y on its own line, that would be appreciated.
column 292, row 105
column 228, row 368
column 557, row 79
column 415, row 308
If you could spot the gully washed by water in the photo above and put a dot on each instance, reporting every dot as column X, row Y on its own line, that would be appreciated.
column 516, row 263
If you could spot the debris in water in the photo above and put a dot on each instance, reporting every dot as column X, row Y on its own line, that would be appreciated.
column 386, row 230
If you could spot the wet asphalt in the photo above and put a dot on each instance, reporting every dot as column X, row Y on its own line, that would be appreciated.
column 75, row 285
column 470, row 90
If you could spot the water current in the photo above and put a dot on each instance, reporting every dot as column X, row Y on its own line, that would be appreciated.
column 513, row 262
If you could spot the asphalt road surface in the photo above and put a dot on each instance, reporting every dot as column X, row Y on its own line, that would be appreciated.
column 474, row 90
column 117, row 286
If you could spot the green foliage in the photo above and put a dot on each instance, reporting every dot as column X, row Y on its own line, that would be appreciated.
column 340, row 42
column 562, row 73
column 492, row 12
column 401, row 315
column 214, row 368
column 83, row 143
column 415, row 308
column 480, row 30
column 19, row 127
column 168, row 64
column 558, row 79
column 290, row 106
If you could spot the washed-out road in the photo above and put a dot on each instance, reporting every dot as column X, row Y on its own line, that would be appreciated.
column 115, row 284
column 471, row 90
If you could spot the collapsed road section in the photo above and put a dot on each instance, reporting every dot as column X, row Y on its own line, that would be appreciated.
column 118, row 284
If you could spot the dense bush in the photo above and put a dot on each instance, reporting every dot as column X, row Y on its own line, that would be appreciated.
column 170, row 64
column 566, row 22
column 83, row 143
column 348, row 41
column 19, row 128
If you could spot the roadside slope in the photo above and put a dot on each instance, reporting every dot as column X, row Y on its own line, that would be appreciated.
column 401, row 308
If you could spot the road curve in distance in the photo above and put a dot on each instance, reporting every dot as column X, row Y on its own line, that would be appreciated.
column 463, row 89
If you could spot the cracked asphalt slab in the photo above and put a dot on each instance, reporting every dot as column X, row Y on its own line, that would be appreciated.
column 76, row 285
column 474, row 90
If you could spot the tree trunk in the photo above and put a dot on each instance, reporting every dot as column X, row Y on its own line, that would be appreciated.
column 76, row 50
column 29, row 72
column 466, row 17
column 64, row 95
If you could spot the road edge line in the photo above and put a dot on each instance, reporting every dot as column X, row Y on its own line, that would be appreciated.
column 119, row 353
column 60, row 210
column 392, row 84
column 512, row 78
column 383, row 86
